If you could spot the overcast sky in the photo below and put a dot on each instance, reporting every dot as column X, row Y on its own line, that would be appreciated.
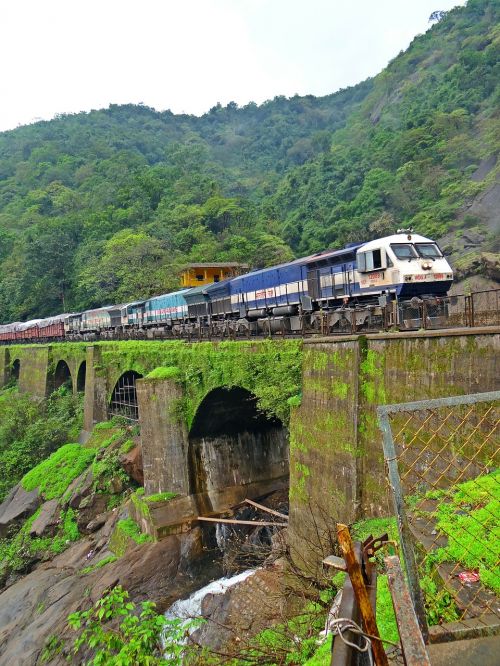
column 61, row 56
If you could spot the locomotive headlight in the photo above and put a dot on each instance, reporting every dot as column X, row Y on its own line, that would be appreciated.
column 426, row 265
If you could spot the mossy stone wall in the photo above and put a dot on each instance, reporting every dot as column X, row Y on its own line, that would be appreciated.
column 336, row 456
column 34, row 368
column 164, row 437
column 73, row 354
column 271, row 370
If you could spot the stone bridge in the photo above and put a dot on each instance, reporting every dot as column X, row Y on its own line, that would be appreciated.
column 221, row 422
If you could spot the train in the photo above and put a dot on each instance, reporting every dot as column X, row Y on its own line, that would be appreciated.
column 363, row 285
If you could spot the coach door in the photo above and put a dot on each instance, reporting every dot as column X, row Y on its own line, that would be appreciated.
column 348, row 277
column 313, row 285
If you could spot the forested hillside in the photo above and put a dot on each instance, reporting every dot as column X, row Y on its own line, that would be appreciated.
column 106, row 206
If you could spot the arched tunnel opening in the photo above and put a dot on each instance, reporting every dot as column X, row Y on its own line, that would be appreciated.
column 62, row 375
column 124, row 397
column 235, row 449
column 80, row 380
column 15, row 370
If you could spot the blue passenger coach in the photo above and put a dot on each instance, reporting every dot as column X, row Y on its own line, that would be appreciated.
column 166, row 308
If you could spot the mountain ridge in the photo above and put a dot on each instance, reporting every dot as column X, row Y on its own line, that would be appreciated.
column 105, row 206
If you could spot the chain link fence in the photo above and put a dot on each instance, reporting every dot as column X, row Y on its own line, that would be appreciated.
column 443, row 465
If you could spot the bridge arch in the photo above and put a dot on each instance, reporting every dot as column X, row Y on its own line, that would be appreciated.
column 124, row 396
column 234, row 449
column 62, row 375
column 80, row 377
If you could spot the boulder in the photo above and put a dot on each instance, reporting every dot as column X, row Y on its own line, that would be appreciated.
column 80, row 488
column 91, row 507
column 132, row 464
column 47, row 519
column 97, row 522
column 18, row 505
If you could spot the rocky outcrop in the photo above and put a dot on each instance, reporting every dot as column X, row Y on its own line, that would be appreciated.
column 18, row 505
column 80, row 488
column 132, row 464
column 36, row 606
column 47, row 519
column 243, row 610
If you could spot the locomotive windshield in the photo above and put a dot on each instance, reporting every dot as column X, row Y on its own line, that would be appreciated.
column 428, row 250
column 404, row 251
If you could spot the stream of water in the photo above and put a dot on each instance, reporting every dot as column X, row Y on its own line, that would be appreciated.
column 185, row 609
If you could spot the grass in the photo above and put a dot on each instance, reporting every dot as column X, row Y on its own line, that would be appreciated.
column 53, row 476
column 18, row 551
column 469, row 515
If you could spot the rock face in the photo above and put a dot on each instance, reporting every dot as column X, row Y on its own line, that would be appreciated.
column 46, row 519
column 36, row 606
column 132, row 464
column 242, row 611
column 18, row 504
column 80, row 488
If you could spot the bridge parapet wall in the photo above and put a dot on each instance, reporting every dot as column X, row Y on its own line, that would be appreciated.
column 336, row 457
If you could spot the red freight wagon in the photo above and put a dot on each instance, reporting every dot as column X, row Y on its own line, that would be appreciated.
column 28, row 330
column 52, row 327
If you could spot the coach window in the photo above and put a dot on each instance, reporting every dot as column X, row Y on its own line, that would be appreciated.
column 371, row 260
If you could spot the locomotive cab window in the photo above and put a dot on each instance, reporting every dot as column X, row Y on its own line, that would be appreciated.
column 371, row 261
column 428, row 250
column 404, row 251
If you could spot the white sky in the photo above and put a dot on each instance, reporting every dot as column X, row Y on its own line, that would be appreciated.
column 61, row 56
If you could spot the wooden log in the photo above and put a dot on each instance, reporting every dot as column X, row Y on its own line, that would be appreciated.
column 266, row 509
column 361, row 593
column 233, row 521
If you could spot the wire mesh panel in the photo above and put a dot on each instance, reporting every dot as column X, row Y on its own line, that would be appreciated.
column 443, row 461
column 124, row 397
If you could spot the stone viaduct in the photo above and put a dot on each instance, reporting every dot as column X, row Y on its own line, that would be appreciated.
column 224, row 421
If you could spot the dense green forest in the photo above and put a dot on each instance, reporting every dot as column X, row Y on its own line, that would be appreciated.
column 106, row 206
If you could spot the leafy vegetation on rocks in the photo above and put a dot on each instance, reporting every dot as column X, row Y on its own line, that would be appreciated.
column 31, row 430
column 118, row 632
column 53, row 476
column 106, row 206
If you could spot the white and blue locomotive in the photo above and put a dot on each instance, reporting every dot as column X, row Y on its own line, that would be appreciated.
column 312, row 293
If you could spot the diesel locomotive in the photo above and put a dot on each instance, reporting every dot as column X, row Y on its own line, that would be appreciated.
column 361, row 285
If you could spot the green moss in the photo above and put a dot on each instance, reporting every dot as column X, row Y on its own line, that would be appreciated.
column 98, row 565
column 131, row 529
column 160, row 497
column 53, row 476
column 165, row 372
column 142, row 507
column 294, row 400
column 127, row 446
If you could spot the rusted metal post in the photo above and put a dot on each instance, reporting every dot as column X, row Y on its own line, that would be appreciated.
column 412, row 642
column 361, row 593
